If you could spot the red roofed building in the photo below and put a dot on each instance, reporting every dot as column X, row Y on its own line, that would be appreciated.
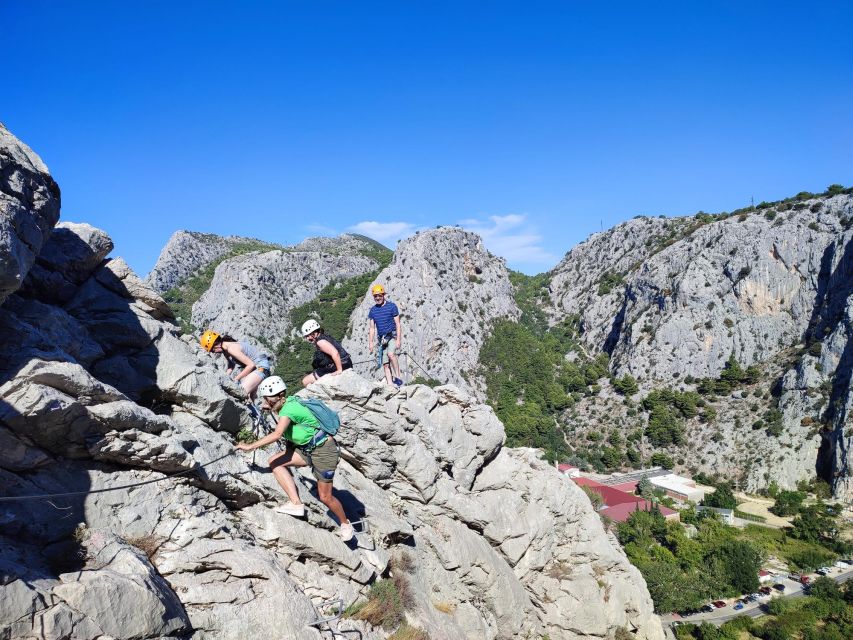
column 620, row 512
column 620, row 504
column 610, row 495
column 629, row 487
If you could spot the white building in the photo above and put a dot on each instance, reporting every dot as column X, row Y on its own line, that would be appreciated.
column 678, row 487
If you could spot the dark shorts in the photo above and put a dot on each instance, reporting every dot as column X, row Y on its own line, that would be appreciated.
column 323, row 460
column 322, row 371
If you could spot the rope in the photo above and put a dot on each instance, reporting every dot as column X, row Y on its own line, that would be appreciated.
column 402, row 353
column 409, row 355
column 120, row 488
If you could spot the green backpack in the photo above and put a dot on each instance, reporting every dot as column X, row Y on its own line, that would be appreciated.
column 328, row 419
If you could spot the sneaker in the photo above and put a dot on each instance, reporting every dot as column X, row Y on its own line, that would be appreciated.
column 397, row 382
column 291, row 509
column 347, row 532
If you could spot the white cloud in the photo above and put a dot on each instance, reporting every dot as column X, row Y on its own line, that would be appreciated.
column 511, row 237
column 384, row 231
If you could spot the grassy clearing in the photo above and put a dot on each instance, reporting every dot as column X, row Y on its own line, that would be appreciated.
column 798, row 554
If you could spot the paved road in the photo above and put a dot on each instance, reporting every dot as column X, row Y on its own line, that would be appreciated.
column 754, row 610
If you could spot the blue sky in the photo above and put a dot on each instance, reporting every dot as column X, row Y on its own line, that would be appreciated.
column 532, row 123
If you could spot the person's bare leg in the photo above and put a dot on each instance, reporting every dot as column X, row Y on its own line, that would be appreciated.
column 279, row 463
column 324, row 490
column 395, row 365
column 250, row 384
column 387, row 368
column 308, row 379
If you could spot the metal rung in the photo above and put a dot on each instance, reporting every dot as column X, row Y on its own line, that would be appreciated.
column 325, row 604
column 365, row 525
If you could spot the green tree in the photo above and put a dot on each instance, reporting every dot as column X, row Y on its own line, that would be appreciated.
column 626, row 385
column 645, row 487
column 662, row 460
column 642, row 527
column 722, row 498
column 815, row 523
column 611, row 457
column 673, row 589
column 826, row 589
column 741, row 560
column 787, row 503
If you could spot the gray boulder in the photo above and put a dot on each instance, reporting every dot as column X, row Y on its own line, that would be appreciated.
column 29, row 207
column 70, row 255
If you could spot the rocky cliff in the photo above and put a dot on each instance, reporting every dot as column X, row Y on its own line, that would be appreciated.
column 103, row 403
column 448, row 289
column 188, row 251
column 672, row 300
column 251, row 295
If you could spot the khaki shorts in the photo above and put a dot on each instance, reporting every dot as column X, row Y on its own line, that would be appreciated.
column 391, row 349
column 323, row 460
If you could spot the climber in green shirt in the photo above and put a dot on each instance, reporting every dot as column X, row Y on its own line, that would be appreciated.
column 307, row 444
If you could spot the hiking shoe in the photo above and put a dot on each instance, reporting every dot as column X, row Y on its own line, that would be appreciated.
column 347, row 532
column 291, row 509
column 397, row 382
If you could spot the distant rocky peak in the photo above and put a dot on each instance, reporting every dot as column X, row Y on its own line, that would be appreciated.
column 188, row 251
column 448, row 288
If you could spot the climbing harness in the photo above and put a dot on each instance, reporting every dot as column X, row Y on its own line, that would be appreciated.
column 260, row 426
column 384, row 341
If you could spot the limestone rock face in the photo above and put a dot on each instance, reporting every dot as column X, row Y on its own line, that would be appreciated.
column 29, row 207
column 745, row 285
column 448, row 289
column 251, row 294
column 187, row 251
column 671, row 299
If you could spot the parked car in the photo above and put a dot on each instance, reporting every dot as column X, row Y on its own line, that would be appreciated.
column 739, row 606
column 794, row 576
column 779, row 586
column 755, row 596
column 708, row 608
column 804, row 580
column 719, row 604
column 846, row 561
column 841, row 564
column 822, row 571
column 764, row 591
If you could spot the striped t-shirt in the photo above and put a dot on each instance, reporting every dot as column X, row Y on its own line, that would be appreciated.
column 383, row 315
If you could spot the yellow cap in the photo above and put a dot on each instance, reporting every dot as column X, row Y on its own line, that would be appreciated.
column 377, row 288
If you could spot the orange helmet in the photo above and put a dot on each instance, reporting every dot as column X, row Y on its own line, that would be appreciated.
column 377, row 288
column 208, row 339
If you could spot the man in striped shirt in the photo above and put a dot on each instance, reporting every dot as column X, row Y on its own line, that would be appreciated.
column 384, row 331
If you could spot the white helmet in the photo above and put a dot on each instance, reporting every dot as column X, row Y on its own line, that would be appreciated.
column 309, row 327
column 272, row 386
